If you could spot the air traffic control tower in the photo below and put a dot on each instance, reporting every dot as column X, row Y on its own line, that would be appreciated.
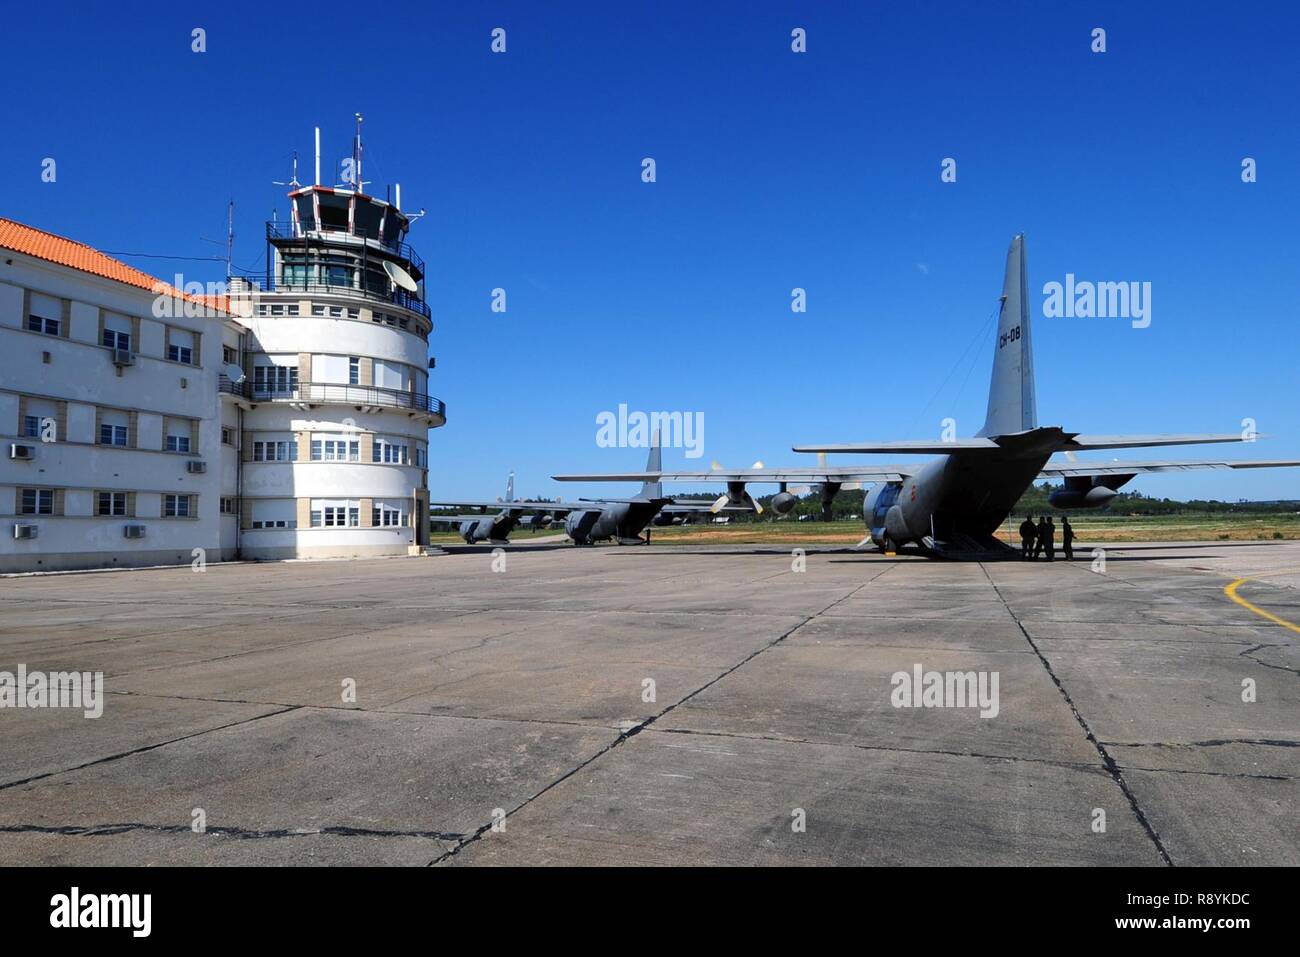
column 333, row 404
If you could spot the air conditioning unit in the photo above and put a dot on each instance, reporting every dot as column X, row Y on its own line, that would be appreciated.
column 198, row 468
column 25, row 531
column 123, row 357
column 133, row 531
column 17, row 451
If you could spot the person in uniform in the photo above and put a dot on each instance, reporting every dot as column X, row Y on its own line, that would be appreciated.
column 1027, row 535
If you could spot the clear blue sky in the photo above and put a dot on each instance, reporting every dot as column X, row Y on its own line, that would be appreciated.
column 775, row 170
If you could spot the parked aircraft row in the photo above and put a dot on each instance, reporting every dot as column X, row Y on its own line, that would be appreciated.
column 949, row 506
column 586, row 521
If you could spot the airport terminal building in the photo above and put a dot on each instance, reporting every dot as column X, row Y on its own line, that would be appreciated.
column 141, row 425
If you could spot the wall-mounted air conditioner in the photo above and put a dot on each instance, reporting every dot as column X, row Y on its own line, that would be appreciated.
column 198, row 468
column 25, row 531
column 133, row 531
column 123, row 357
column 24, row 452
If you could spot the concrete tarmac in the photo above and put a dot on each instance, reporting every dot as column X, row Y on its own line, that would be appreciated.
column 663, row 705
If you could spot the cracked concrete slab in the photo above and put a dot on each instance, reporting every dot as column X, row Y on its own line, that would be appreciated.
column 1222, row 821
column 371, row 775
column 696, row 799
column 41, row 741
column 524, row 691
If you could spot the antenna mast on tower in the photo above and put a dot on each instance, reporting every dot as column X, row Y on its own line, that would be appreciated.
column 356, row 156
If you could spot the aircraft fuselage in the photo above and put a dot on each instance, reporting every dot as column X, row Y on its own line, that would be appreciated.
column 623, row 522
column 964, row 494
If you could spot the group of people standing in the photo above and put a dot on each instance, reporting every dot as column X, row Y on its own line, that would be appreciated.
column 1037, row 539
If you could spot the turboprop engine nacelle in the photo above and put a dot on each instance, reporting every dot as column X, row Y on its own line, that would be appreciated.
column 1092, row 498
column 783, row 502
column 736, row 495
column 1087, row 491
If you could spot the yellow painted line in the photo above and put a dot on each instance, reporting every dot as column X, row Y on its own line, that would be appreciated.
column 1231, row 591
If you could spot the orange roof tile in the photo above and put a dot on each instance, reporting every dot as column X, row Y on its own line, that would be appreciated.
column 67, row 252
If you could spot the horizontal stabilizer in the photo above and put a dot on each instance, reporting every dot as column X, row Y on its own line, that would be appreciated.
column 1064, row 469
column 1079, row 442
column 917, row 446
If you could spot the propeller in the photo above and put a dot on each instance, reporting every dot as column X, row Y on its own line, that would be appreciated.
column 735, row 494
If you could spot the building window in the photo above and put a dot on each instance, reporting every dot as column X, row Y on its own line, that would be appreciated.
column 338, row 275
column 111, row 503
column 387, row 516
column 421, row 457
column 336, row 515
column 390, row 452
column 182, row 354
column 177, row 506
column 32, row 426
column 335, row 450
column 273, row 523
column 178, row 443
column 272, row 451
column 37, row 501
column 227, row 436
column 229, row 356
column 39, row 324
column 116, row 340
column 354, row 370
column 227, row 505
column 275, row 379
column 112, row 434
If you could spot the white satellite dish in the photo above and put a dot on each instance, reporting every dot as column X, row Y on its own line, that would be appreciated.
column 233, row 372
column 400, row 276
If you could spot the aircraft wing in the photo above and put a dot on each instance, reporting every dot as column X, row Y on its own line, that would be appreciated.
column 1063, row 469
column 802, row 476
column 1063, row 441
column 518, row 505
column 696, row 509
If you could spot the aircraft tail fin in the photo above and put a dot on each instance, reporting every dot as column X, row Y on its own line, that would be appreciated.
column 510, row 488
column 654, row 463
column 1011, row 392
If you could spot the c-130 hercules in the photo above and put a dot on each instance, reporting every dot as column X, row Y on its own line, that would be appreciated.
column 586, row 521
column 951, row 506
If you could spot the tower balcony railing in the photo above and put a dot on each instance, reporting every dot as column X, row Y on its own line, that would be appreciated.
column 333, row 392
column 270, row 282
column 288, row 229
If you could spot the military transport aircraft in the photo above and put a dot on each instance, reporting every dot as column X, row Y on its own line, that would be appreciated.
column 496, row 528
column 951, row 506
column 586, row 521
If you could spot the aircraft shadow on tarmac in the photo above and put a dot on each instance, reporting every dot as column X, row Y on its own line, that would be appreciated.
column 1083, row 553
